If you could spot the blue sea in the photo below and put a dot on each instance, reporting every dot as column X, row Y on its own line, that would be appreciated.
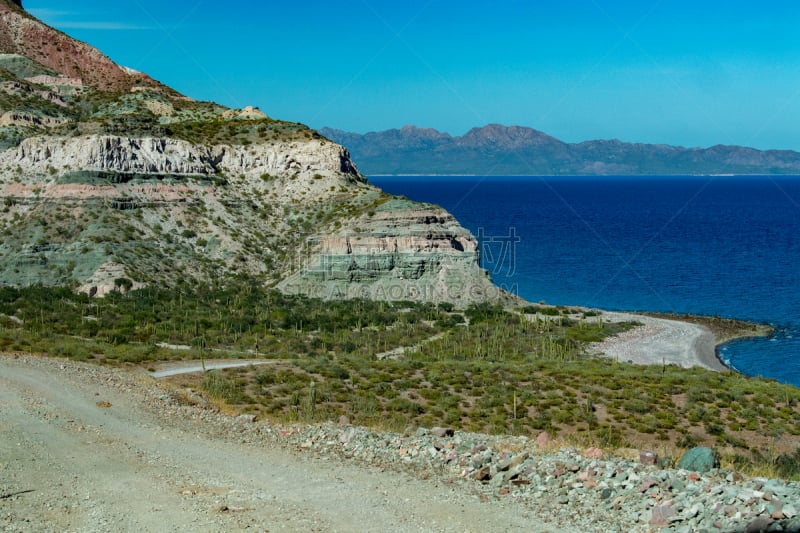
column 726, row 246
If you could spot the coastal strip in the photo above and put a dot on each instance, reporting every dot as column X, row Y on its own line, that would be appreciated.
column 724, row 329
column 683, row 340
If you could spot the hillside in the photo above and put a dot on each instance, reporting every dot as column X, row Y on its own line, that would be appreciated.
column 496, row 150
column 110, row 180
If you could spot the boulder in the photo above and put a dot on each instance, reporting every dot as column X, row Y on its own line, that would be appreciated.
column 700, row 459
column 543, row 439
column 661, row 516
column 759, row 525
column 482, row 474
column 647, row 457
column 593, row 453
column 511, row 462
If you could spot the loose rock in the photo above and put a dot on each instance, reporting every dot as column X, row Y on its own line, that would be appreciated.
column 647, row 457
column 442, row 432
column 700, row 459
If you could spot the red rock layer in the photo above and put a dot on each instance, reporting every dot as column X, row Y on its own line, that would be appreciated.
column 24, row 35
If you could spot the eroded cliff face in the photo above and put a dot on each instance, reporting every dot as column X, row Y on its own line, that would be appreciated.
column 38, row 156
column 153, row 210
column 164, row 208
column 400, row 251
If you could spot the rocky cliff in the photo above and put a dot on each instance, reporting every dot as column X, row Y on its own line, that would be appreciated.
column 36, row 156
column 400, row 250
column 107, row 189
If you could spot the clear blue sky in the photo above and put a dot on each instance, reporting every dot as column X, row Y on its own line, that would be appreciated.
column 690, row 73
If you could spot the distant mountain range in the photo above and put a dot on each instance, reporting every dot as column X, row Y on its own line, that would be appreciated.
column 515, row 150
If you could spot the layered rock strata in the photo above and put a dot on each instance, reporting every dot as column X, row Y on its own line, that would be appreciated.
column 402, row 251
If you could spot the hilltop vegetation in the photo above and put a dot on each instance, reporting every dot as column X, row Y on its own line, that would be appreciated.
column 147, row 108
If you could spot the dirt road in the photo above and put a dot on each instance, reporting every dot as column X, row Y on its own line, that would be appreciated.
column 176, row 369
column 84, row 448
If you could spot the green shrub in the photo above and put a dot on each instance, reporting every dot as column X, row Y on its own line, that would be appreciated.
column 542, row 310
column 788, row 465
column 687, row 440
column 609, row 436
column 221, row 388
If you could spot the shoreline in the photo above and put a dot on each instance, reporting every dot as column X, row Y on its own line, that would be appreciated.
column 683, row 340
column 723, row 330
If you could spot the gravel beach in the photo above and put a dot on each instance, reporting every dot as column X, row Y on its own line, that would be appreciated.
column 660, row 341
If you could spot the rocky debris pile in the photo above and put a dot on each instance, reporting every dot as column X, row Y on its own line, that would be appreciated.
column 633, row 494
column 573, row 490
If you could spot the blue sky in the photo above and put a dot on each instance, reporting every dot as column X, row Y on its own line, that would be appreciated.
column 656, row 71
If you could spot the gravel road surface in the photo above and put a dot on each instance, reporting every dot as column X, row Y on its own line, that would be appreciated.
column 86, row 448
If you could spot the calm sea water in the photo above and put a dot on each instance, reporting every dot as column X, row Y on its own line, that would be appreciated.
column 705, row 245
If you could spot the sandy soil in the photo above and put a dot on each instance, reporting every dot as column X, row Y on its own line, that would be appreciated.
column 660, row 341
column 83, row 449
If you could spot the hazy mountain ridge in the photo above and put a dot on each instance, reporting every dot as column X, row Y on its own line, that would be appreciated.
column 111, row 180
column 516, row 150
